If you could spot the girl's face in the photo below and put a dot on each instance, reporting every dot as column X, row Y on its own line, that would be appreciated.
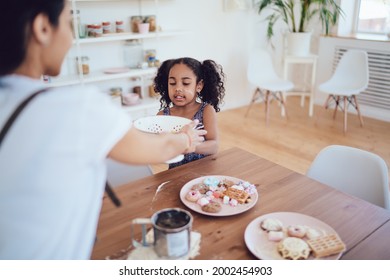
column 60, row 43
column 182, row 86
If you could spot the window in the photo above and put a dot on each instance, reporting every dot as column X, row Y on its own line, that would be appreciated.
column 374, row 16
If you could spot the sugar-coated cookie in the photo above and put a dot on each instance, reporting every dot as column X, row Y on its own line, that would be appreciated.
column 275, row 236
column 212, row 207
column 203, row 201
column 271, row 224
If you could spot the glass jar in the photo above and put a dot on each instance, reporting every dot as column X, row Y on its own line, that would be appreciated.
column 134, row 23
column 119, row 26
column 116, row 91
column 98, row 30
column 106, row 27
column 84, row 60
column 152, row 23
column 75, row 22
column 133, row 52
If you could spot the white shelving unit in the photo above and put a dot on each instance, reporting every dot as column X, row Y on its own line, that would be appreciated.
column 107, row 49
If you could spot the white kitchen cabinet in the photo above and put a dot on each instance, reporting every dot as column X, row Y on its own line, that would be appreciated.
column 108, row 51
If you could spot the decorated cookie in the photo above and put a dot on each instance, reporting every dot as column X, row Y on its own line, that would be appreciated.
column 293, row 248
column 271, row 224
column 193, row 196
column 296, row 231
column 212, row 207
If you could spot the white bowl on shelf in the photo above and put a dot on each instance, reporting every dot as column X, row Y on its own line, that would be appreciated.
column 130, row 98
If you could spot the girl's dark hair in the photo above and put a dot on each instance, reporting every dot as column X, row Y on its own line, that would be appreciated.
column 210, row 72
column 17, row 18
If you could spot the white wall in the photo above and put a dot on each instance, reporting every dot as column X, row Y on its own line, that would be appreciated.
column 325, row 68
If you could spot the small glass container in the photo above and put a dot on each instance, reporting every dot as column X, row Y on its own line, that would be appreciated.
column 106, row 27
column 90, row 30
column 98, row 30
column 137, row 90
column 84, row 60
column 134, row 23
column 152, row 23
column 119, row 27
column 116, row 91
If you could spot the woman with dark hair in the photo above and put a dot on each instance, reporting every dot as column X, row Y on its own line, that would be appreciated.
column 52, row 157
column 194, row 90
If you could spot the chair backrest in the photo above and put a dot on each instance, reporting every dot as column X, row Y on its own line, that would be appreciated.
column 260, row 67
column 353, row 171
column 119, row 173
column 352, row 71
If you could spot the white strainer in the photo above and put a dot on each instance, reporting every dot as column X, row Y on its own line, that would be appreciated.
column 158, row 124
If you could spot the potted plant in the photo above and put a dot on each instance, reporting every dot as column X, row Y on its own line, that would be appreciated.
column 296, row 14
column 143, row 26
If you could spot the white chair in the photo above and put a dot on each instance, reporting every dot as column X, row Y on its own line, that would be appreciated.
column 262, row 75
column 349, row 79
column 354, row 171
column 119, row 173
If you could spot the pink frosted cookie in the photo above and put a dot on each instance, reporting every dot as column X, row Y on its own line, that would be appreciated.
column 193, row 196
column 296, row 231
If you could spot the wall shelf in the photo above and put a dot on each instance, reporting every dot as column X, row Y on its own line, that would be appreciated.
column 112, row 51
column 129, row 36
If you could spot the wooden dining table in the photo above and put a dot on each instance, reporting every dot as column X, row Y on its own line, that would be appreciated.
column 362, row 226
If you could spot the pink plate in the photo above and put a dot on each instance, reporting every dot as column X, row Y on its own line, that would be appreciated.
column 226, row 210
column 256, row 239
column 116, row 70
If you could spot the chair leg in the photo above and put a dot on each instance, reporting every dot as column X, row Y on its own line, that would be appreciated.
column 267, row 103
column 283, row 102
column 358, row 110
column 326, row 105
column 255, row 96
column 345, row 114
column 337, row 101
column 284, row 98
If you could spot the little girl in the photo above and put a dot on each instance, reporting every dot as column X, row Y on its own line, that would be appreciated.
column 193, row 90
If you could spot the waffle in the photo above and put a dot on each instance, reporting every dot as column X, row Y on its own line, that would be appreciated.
column 239, row 195
column 326, row 245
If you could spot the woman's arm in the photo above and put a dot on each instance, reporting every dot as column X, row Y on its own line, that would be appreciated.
column 137, row 147
column 210, row 145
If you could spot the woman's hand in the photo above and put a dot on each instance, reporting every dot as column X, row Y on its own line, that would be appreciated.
column 194, row 135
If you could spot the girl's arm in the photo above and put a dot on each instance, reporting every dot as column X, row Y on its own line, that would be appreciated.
column 210, row 145
column 137, row 147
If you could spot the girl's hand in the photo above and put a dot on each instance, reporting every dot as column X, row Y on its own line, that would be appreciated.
column 194, row 135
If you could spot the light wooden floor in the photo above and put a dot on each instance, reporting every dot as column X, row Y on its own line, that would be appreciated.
column 294, row 142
